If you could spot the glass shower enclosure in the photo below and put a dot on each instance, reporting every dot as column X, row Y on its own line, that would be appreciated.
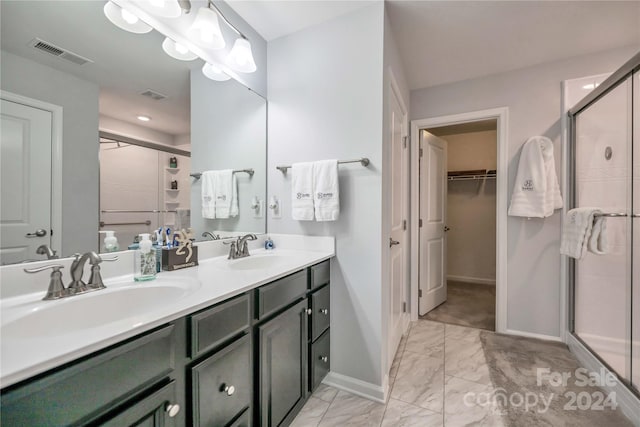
column 605, row 289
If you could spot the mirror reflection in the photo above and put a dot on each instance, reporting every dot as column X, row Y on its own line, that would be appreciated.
column 101, row 131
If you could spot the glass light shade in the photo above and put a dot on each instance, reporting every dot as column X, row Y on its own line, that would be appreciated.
column 165, row 8
column 124, row 19
column 240, row 58
column 207, row 28
column 214, row 73
column 177, row 51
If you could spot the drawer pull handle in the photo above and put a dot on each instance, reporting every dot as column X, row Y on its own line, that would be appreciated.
column 172, row 409
column 229, row 389
column 324, row 311
column 324, row 359
column 308, row 311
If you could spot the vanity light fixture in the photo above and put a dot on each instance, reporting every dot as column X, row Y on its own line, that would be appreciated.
column 165, row 8
column 214, row 73
column 177, row 51
column 124, row 19
column 240, row 58
column 144, row 118
column 207, row 29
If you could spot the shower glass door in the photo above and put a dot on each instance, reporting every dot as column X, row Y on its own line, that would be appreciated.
column 635, row 289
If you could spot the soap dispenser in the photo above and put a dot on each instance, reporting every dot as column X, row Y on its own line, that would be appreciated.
column 144, row 260
column 110, row 242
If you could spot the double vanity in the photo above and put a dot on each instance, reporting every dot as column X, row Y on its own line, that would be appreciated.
column 228, row 343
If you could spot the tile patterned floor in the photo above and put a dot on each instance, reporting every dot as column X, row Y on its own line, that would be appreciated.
column 436, row 368
column 467, row 304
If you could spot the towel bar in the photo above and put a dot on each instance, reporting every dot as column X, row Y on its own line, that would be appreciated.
column 363, row 161
column 615, row 215
column 197, row 175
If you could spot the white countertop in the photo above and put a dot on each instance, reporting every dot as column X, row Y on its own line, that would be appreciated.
column 213, row 280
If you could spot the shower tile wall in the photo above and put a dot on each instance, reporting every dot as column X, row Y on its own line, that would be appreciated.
column 602, row 294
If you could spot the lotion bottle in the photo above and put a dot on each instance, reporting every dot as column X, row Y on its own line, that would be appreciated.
column 144, row 260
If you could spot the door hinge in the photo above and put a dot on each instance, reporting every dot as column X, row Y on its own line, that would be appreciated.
column 419, row 293
column 421, row 152
column 404, row 224
column 404, row 141
column 404, row 307
column 420, row 222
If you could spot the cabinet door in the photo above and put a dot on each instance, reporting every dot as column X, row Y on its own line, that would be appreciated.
column 222, row 386
column 157, row 410
column 283, row 361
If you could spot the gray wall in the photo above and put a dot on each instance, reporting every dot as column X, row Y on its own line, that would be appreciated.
column 80, row 177
column 325, row 101
column 228, row 131
column 533, row 96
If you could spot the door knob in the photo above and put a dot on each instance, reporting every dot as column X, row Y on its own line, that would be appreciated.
column 323, row 359
column 308, row 311
column 446, row 228
column 172, row 409
column 229, row 389
column 393, row 242
column 324, row 311
column 38, row 233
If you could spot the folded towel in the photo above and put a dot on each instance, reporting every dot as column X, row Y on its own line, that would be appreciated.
column 536, row 192
column 576, row 231
column 326, row 193
column 183, row 218
column 207, row 194
column 302, row 191
column 226, row 194
column 598, row 243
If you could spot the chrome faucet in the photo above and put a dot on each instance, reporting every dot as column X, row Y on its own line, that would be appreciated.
column 56, row 288
column 211, row 235
column 240, row 248
column 46, row 250
column 77, row 286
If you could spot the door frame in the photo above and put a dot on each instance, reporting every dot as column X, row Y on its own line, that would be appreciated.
column 56, row 161
column 502, row 116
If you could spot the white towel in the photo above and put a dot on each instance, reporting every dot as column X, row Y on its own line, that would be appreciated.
column 576, row 231
column 207, row 195
column 302, row 191
column 183, row 218
column 226, row 193
column 598, row 243
column 326, row 193
column 536, row 192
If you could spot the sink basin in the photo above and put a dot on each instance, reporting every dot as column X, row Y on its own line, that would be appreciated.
column 123, row 301
column 257, row 262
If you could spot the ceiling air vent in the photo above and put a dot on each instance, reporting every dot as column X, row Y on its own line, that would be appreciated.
column 153, row 94
column 58, row 51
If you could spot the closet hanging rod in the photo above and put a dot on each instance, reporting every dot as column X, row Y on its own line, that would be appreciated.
column 130, row 211
column 197, row 175
column 363, row 161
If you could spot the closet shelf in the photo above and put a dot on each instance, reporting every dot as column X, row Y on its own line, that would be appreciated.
column 467, row 175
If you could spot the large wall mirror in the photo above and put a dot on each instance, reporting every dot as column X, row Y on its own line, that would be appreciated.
column 77, row 159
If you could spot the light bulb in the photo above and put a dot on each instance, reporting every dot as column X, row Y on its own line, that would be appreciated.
column 207, row 28
column 124, row 19
column 177, row 50
column 240, row 58
column 183, row 50
column 214, row 73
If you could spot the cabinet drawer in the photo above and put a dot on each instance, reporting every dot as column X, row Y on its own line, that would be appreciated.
column 320, row 274
column 281, row 293
column 222, row 385
column 320, row 359
column 320, row 312
column 211, row 327
column 90, row 385
column 150, row 411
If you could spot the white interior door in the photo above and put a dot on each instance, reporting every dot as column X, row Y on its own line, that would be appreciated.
column 25, row 181
column 433, row 213
column 398, row 242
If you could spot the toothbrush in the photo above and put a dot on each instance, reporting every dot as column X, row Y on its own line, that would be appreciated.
column 169, row 243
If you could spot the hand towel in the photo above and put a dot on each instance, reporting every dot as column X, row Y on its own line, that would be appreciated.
column 598, row 243
column 302, row 191
column 183, row 218
column 207, row 194
column 225, row 193
column 576, row 231
column 326, row 193
column 536, row 192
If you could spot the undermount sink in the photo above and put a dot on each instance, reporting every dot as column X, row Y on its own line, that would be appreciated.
column 257, row 262
column 94, row 309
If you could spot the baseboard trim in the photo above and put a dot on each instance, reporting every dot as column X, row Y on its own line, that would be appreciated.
column 358, row 387
column 478, row 280
column 628, row 402
column 533, row 335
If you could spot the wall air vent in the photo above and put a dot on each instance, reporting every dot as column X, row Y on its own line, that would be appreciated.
column 153, row 94
column 61, row 53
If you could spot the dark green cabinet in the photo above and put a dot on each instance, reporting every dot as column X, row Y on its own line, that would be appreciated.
column 157, row 410
column 283, row 365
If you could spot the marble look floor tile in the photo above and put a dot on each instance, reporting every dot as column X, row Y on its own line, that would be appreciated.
column 325, row 392
column 350, row 410
column 466, row 360
column 469, row 404
column 426, row 338
column 462, row 333
column 401, row 414
column 420, row 381
column 311, row 413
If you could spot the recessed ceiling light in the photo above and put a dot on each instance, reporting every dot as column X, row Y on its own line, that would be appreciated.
column 144, row 118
